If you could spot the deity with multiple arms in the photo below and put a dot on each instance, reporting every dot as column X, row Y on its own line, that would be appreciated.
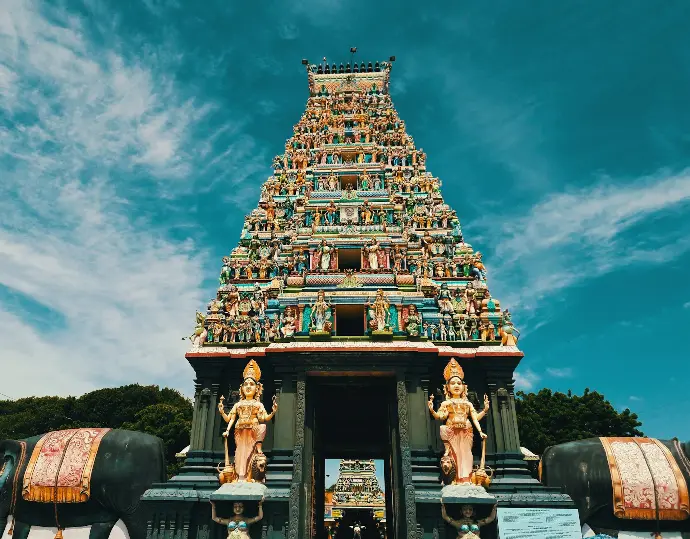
column 460, row 416
column 238, row 525
column 250, row 426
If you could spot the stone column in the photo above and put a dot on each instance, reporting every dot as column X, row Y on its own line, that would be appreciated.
column 410, row 512
column 202, row 398
column 502, row 426
column 212, row 418
column 296, row 486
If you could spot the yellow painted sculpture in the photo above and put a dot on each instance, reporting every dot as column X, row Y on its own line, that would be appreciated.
column 249, row 418
column 457, row 433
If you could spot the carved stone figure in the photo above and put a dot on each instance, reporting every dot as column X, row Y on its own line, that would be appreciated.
column 320, row 314
column 460, row 416
column 249, row 417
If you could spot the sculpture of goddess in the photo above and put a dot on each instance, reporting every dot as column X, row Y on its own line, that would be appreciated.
column 250, row 428
column 325, row 253
column 372, row 251
column 287, row 328
column 226, row 272
column 331, row 213
column 414, row 321
column 467, row 526
column 445, row 303
column 379, row 312
column 238, row 525
column 460, row 415
column 320, row 314
column 232, row 302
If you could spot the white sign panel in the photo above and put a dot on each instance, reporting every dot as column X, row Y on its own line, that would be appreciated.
column 533, row 522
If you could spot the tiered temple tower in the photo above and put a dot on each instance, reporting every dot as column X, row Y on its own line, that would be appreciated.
column 351, row 286
column 356, row 498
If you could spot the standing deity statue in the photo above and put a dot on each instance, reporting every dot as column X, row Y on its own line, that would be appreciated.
column 459, row 414
column 379, row 312
column 323, row 256
column 372, row 254
column 321, row 314
column 249, row 418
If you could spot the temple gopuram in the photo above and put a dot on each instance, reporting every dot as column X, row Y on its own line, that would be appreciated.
column 356, row 500
column 354, row 298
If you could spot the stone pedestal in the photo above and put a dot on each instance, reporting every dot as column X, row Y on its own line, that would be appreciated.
column 239, row 492
column 467, row 494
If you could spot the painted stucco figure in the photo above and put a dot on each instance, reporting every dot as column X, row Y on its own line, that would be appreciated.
column 249, row 417
column 460, row 417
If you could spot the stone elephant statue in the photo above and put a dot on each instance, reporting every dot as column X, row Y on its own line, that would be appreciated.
column 583, row 469
column 126, row 464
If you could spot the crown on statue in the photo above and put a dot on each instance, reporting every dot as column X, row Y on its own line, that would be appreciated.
column 252, row 371
column 452, row 370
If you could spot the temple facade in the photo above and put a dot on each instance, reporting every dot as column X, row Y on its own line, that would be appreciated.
column 352, row 286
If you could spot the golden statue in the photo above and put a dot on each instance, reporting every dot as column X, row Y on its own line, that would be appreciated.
column 457, row 433
column 250, row 429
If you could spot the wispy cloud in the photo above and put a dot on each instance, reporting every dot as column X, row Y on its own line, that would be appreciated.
column 82, row 128
column 575, row 235
column 565, row 372
column 526, row 380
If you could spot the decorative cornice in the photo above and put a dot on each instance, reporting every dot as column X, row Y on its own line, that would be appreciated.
column 357, row 346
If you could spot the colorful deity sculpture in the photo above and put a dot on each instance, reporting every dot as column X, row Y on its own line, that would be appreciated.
column 249, row 417
column 414, row 321
column 321, row 315
column 468, row 526
column 288, row 323
column 460, row 417
column 379, row 312
column 322, row 256
column 238, row 524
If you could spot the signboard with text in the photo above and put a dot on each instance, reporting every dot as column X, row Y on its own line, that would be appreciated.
column 536, row 522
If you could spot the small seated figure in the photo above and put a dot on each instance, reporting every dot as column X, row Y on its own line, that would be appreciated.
column 238, row 525
column 467, row 526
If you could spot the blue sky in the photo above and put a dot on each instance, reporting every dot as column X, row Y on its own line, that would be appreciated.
column 134, row 136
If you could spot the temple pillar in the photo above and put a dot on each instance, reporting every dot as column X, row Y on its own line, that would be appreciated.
column 407, row 526
column 504, row 453
column 297, row 488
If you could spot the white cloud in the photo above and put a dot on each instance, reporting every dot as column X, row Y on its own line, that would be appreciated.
column 83, row 126
column 564, row 372
column 573, row 236
column 526, row 380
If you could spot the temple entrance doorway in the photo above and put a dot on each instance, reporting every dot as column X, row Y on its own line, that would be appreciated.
column 351, row 420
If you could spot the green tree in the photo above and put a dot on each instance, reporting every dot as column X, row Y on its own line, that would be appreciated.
column 163, row 412
column 170, row 423
column 547, row 418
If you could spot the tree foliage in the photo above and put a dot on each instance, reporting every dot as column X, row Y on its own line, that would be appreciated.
column 162, row 412
column 547, row 418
